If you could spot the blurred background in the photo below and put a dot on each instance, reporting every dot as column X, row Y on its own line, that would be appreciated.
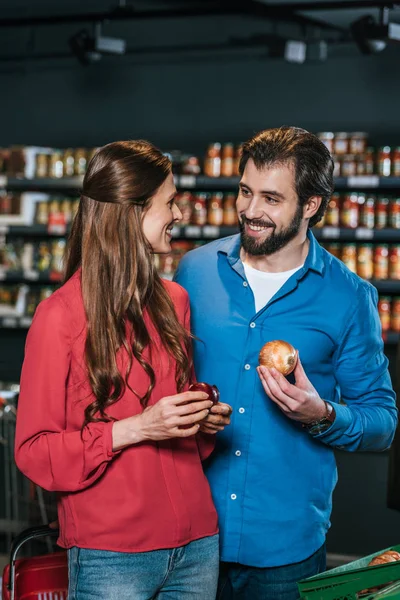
column 196, row 79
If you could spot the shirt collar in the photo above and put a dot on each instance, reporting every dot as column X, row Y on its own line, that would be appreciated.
column 314, row 261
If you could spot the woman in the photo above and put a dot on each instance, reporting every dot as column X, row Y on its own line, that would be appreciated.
column 104, row 415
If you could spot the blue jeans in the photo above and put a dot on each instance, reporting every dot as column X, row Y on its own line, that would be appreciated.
column 238, row 582
column 188, row 572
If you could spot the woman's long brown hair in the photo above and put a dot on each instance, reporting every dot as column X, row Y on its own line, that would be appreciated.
column 119, row 278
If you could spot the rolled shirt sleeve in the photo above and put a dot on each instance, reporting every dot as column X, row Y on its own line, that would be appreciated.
column 366, row 418
column 48, row 454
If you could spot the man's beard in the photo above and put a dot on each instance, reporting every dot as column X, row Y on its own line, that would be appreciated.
column 275, row 241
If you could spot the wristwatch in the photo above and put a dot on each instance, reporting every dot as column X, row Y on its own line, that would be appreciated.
column 317, row 427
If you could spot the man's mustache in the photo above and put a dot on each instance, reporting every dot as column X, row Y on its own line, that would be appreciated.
column 257, row 223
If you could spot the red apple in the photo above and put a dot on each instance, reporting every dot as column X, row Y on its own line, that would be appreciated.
column 211, row 390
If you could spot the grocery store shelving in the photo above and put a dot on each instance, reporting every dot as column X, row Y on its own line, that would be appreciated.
column 199, row 182
column 30, row 276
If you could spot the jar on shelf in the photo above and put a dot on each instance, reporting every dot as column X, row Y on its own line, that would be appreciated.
column 191, row 166
column 369, row 161
column 327, row 138
column 381, row 261
column 56, row 166
column 384, row 312
column 215, row 214
column 367, row 210
column 68, row 162
column 349, row 256
column 394, row 213
column 80, row 161
column 227, row 160
column 365, row 261
column 335, row 249
column 396, row 162
column 212, row 161
column 341, row 143
column 332, row 215
column 184, row 201
column 236, row 160
column 230, row 214
column 42, row 213
column 382, row 212
column 350, row 211
column 337, row 165
column 394, row 262
column 42, row 165
column 199, row 216
column 349, row 166
column 384, row 161
column 66, row 210
column 358, row 142
column 395, row 315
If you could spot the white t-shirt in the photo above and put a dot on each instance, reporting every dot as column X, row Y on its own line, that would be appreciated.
column 265, row 285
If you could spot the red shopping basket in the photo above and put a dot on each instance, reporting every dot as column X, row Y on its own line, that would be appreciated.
column 37, row 578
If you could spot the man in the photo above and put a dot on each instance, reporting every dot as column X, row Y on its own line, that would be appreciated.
column 273, row 470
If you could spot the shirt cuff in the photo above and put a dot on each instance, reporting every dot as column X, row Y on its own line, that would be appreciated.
column 108, row 441
column 339, row 426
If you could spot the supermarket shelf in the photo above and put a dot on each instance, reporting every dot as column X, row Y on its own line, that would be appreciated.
column 356, row 235
column 212, row 232
column 198, row 182
column 64, row 184
column 386, row 286
column 390, row 338
column 30, row 276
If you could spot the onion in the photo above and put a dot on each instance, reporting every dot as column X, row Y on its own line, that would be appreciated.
column 279, row 355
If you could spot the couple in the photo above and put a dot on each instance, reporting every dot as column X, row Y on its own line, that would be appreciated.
column 105, row 417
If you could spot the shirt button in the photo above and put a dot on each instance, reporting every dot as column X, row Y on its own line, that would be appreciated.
column 238, row 453
column 247, row 367
column 252, row 325
column 245, row 284
column 241, row 410
column 233, row 496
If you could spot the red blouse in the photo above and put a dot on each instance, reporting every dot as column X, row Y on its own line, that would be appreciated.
column 148, row 496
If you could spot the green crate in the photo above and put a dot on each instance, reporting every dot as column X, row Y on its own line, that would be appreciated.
column 344, row 582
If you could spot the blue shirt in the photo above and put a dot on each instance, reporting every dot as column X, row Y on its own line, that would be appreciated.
column 271, row 481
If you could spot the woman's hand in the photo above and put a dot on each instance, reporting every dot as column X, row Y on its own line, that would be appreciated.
column 175, row 416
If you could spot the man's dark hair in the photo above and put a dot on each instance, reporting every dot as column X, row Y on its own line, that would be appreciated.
column 312, row 161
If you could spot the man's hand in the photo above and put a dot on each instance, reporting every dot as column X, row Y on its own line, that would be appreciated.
column 218, row 418
column 300, row 402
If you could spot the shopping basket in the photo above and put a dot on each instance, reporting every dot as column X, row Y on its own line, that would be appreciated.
column 351, row 581
column 37, row 578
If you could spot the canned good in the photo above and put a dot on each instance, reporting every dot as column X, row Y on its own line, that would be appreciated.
column 332, row 215
column 341, row 143
column 367, row 211
column 394, row 262
column 349, row 257
column 381, row 262
column 382, row 212
column 350, row 211
column 395, row 315
column 227, row 160
column 215, row 213
column 384, row 161
column 212, row 162
column 384, row 312
column 199, row 216
column 365, row 261
column 394, row 213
